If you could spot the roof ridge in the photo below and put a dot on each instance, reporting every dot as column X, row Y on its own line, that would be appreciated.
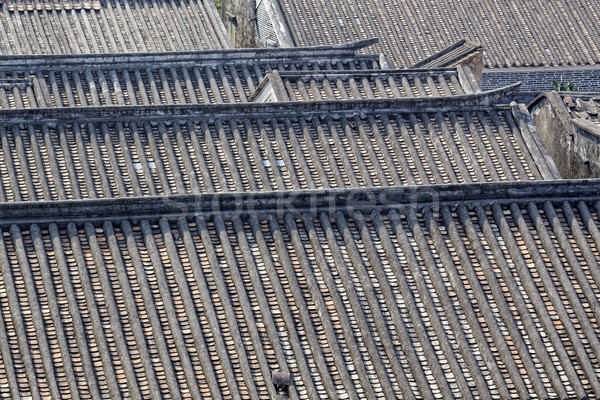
column 247, row 203
column 469, row 48
column 7, row 62
column 466, row 102
column 376, row 72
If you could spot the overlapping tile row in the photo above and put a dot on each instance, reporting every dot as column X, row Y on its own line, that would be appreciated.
column 513, row 33
column 30, row 5
column 239, row 152
column 122, row 26
column 154, row 79
column 364, row 85
column 470, row 301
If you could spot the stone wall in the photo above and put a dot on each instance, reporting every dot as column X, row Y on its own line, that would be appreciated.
column 576, row 151
column 239, row 18
column 540, row 79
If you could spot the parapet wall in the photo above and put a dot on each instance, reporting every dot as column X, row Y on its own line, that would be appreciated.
column 575, row 150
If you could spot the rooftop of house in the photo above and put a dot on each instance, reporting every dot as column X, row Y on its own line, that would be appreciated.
column 583, row 109
column 76, row 153
column 29, row 27
column 569, row 126
column 436, row 292
column 512, row 33
column 207, row 77
column 366, row 84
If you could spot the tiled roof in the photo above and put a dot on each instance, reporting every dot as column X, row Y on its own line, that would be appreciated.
column 30, row 5
column 133, row 262
column 226, row 76
column 111, row 27
column 492, row 295
column 364, row 84
column 56, row 154
column 513, row 33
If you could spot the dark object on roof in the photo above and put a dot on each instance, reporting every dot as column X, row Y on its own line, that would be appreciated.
column 513, row 33
column 282, row 382
column 569, row 125
column 130, row 26
column 226, row 76
column 474, row 298
column 281, row 379
column 56, row 154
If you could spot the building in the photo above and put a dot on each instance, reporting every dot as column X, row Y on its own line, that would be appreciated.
column 280, row 223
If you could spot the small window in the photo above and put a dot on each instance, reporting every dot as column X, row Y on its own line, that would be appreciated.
column 231, row 28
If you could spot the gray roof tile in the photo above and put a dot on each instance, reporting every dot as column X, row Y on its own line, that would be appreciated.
column 365, row 84
column 207, row 77
column 468, row 297
column 513, row 33
column 142, row 151
column 452, row 55
column 30, row 5
column 54, row 27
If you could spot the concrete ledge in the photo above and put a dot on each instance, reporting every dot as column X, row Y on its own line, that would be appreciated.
column 116, row 61
column 587, row 126
column 347, row 200
column 412, row 72
column 162, row 113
